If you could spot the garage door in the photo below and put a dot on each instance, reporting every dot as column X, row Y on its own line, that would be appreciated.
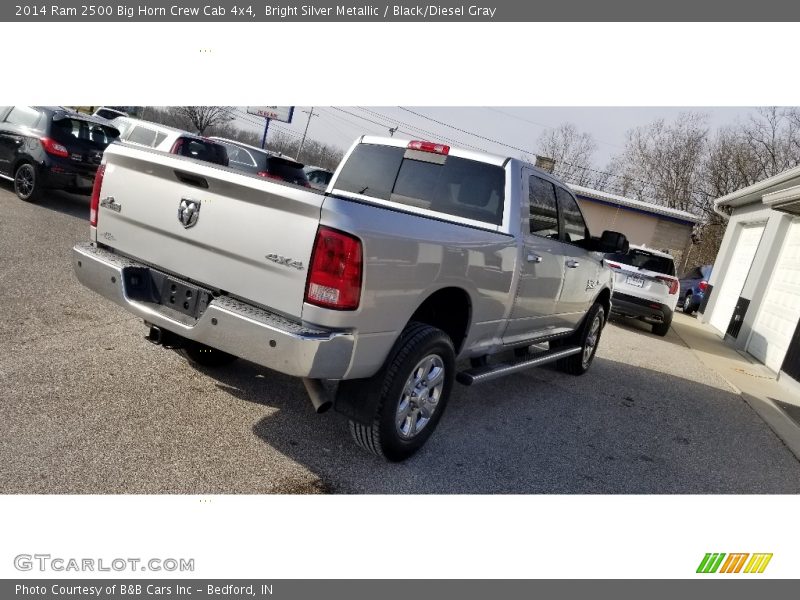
column 735, row 275
column 780, row 310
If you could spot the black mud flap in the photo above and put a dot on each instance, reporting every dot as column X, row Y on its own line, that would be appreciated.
column 357, row 399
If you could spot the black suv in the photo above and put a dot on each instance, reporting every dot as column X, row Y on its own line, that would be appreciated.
column 263, row 163
column 44, row 147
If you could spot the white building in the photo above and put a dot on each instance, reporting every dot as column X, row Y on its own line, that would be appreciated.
column 753, row 299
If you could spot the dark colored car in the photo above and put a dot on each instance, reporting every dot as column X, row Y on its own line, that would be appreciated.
column 45, row 147
column 263, row 163
column 693, row 288
column 318, row 177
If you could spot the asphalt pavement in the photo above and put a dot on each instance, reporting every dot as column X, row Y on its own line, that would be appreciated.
column 88, row 406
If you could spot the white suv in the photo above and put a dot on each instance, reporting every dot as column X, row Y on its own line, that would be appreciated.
column 645, row 286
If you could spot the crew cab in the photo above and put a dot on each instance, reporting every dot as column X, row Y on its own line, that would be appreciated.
column 419, row 266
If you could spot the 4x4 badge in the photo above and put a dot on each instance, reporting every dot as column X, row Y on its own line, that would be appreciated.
column 188, row 212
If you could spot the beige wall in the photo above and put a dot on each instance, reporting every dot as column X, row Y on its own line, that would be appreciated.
column 640, row 228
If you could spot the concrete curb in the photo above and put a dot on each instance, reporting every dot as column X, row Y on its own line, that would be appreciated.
column 750, row 380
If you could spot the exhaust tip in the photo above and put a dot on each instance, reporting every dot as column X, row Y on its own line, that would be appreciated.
column 320, row 399
column 324, row 407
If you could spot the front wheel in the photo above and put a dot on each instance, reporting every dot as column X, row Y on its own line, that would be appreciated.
column 687, row 304
column 413, row 386
column 587, row 337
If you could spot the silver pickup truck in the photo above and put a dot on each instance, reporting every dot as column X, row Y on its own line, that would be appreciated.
column 419, row 266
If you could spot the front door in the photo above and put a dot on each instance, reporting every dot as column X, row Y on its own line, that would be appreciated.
column 581, row 267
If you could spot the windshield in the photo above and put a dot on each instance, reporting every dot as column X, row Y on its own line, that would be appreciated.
column 644, row 260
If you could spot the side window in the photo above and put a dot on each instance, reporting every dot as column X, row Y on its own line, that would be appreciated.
column 574, row 225
column 543, row 208
column 142, row 135
column 23, row 115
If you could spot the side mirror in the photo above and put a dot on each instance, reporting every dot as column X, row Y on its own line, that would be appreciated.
column 612, row 241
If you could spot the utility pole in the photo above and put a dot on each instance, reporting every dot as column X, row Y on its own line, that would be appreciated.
column 310, row 114
column 266, row 130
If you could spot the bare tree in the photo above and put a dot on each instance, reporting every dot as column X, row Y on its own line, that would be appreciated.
column 572, row 152
column 201, row 118
column 663, row 161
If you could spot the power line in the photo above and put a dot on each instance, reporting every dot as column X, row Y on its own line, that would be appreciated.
column 530, row 152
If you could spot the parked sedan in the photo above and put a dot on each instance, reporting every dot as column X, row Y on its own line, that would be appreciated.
column 263, row 162
column 44, row 147
column 172, row 140
column 318, row 177
column 693, row 288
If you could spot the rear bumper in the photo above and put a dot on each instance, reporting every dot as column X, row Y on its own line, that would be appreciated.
column 631, row 306
column 64, row 175
column 227, row 324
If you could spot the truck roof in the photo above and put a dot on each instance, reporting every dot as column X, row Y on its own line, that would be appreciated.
column 486, row 157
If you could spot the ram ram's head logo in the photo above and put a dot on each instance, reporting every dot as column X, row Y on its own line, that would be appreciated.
column 188, row 212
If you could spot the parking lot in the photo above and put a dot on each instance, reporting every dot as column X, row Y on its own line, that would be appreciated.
column 88, row 406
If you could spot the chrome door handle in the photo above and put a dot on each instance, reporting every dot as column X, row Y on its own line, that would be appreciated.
column 534, row 258
column 573, row 264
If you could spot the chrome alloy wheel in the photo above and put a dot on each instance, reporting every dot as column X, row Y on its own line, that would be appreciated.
column 420, row 397
column 591, row 340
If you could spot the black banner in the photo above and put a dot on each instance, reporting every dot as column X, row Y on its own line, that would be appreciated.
column 334, row 589
column 402, row 10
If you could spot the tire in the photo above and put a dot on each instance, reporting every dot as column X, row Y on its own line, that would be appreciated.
column 413, row 387
column 588, row 337
column 687, row 304
column 206, row 356
column 26, row 183
column 662, row 328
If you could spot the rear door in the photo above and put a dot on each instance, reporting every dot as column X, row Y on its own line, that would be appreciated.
column 244, row 235
column 644, row 275
column 542, row 264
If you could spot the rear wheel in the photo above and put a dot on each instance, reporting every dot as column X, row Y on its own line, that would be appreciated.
column 26, row 183
column 662, row 328
column 206, row 356
column 413, row 386
column 587, row 337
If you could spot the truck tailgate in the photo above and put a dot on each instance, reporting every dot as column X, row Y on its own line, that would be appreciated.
column 249, row 237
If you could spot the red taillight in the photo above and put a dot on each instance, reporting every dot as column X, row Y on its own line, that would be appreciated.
column 671, row 283
column 334, row 277
column 429, row 147
column 53, row 147
column 702, row 286
column 613, row 265
column 94, row 203
column 269, row 175
column 176, row 147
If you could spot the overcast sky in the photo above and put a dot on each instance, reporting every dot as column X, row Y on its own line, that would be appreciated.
column 514, row 126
